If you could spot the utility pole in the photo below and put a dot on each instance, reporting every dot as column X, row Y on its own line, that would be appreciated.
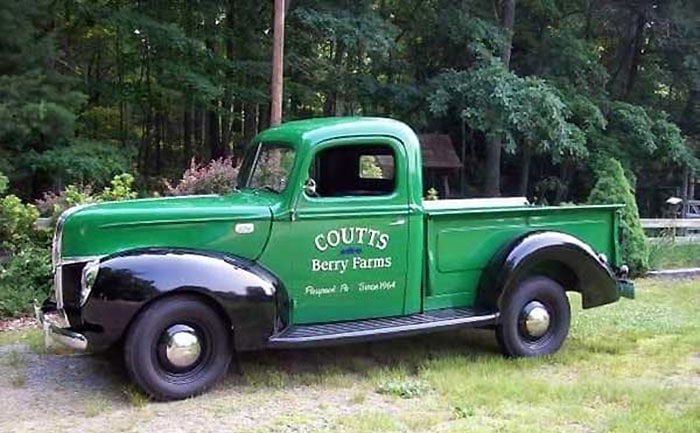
column 277, row 64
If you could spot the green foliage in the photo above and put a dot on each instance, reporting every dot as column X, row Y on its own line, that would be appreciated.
column 120, row 189
column 369, row 168
column 52, row 204
column 25, row 264
column 84, row 161
column 631, row 126
column 16, row 223
column 672, row 149
column 612, row 187
column 572, row 62
column 485, row 97
column 519, row 111
column 4, row 183
column 24, row 276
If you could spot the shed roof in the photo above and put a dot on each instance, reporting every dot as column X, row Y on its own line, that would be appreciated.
column 438, row 151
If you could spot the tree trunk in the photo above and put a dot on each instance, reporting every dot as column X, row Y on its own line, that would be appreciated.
column 564, row 176
column 250, row 121
column 685, row 188
column 213, row 136
column 160, row 130
column 198, row 134
column 463, row 156
column 231, row 107
column 492, row 177
column 264, row 115
column 691, row 188
column 187, row 133
column 507, row 22
column 636, row 54
column 492, row 173
column 277, row 64
column 525, row 170
column 213, row 140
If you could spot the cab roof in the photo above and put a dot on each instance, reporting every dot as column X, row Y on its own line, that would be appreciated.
column 310, row 132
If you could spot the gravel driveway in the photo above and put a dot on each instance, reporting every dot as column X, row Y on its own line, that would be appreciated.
column 284, row 391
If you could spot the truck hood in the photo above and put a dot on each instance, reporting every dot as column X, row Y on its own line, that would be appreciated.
column 237, row 224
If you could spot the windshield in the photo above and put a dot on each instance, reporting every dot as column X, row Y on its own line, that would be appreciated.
column 267, row 166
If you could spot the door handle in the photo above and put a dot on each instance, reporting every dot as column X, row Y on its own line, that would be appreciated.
column 398, row 222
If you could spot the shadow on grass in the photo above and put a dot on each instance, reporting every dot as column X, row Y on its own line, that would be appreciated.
column 344, row 363
column 80, row 377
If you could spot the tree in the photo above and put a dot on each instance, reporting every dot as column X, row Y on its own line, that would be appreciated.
column 612, row 187
column 493, row 148
column 524, row 114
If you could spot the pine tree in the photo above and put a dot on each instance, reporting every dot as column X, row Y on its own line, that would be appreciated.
column 613, row 187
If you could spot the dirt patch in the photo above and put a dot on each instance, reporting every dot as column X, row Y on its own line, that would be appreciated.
column 56, row 393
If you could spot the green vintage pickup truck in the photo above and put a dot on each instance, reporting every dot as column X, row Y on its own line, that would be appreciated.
column 327, row 239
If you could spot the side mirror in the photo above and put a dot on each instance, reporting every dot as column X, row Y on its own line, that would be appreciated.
column 310, row 188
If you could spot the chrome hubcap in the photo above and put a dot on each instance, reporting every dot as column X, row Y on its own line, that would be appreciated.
column 535, row 319
column 182, row 347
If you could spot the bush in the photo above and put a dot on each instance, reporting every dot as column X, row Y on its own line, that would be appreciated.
column 612, row 187
column 80, row 161
column 25, row 269
column 24, row 276
column 4, row 183
column 52, row 204
column 219, row 176
column 121, row 189
column 17, row 223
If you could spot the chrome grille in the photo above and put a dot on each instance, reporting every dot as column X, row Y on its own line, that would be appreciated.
column 58, row 286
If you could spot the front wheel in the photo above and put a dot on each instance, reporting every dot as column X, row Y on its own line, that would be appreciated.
column 535, row 318
column 176, row 348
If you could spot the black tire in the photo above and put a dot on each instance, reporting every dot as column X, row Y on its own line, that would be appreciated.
column 512, row 333
column 145, row 348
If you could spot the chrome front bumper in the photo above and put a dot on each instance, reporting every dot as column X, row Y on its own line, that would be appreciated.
column 56, row 327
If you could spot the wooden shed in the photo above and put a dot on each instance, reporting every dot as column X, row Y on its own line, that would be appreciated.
column 439, row 162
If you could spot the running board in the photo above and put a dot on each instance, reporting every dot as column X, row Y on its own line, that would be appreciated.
column 386, row 327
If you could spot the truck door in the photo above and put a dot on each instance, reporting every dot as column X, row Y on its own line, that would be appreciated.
column 351, row 232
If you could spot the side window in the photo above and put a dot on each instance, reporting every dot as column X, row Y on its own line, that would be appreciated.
column 359, row 170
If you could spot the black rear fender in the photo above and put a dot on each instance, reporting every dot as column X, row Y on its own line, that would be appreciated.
column 245, row 293
column 559, row 256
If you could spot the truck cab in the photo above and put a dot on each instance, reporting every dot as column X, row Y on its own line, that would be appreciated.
column 327, row 239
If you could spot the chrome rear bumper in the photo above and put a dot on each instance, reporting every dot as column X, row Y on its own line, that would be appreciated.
column 56, row 327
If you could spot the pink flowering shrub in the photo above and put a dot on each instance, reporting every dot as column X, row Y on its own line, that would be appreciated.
column 219, row 176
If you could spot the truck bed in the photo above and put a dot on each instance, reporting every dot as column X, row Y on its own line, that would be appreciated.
column 463, row 235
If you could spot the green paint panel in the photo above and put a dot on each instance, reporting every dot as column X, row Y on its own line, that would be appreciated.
column 197, row 222
column 461, row 245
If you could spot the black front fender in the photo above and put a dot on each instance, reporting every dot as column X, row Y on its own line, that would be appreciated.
column 562, row 257
column 244, row 292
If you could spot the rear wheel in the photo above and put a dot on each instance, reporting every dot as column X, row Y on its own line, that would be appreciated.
column 177, row 347
column 535, row 318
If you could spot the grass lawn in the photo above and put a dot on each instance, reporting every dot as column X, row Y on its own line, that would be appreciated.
column 629, row 367
column 633, row 366
column 667, row 255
